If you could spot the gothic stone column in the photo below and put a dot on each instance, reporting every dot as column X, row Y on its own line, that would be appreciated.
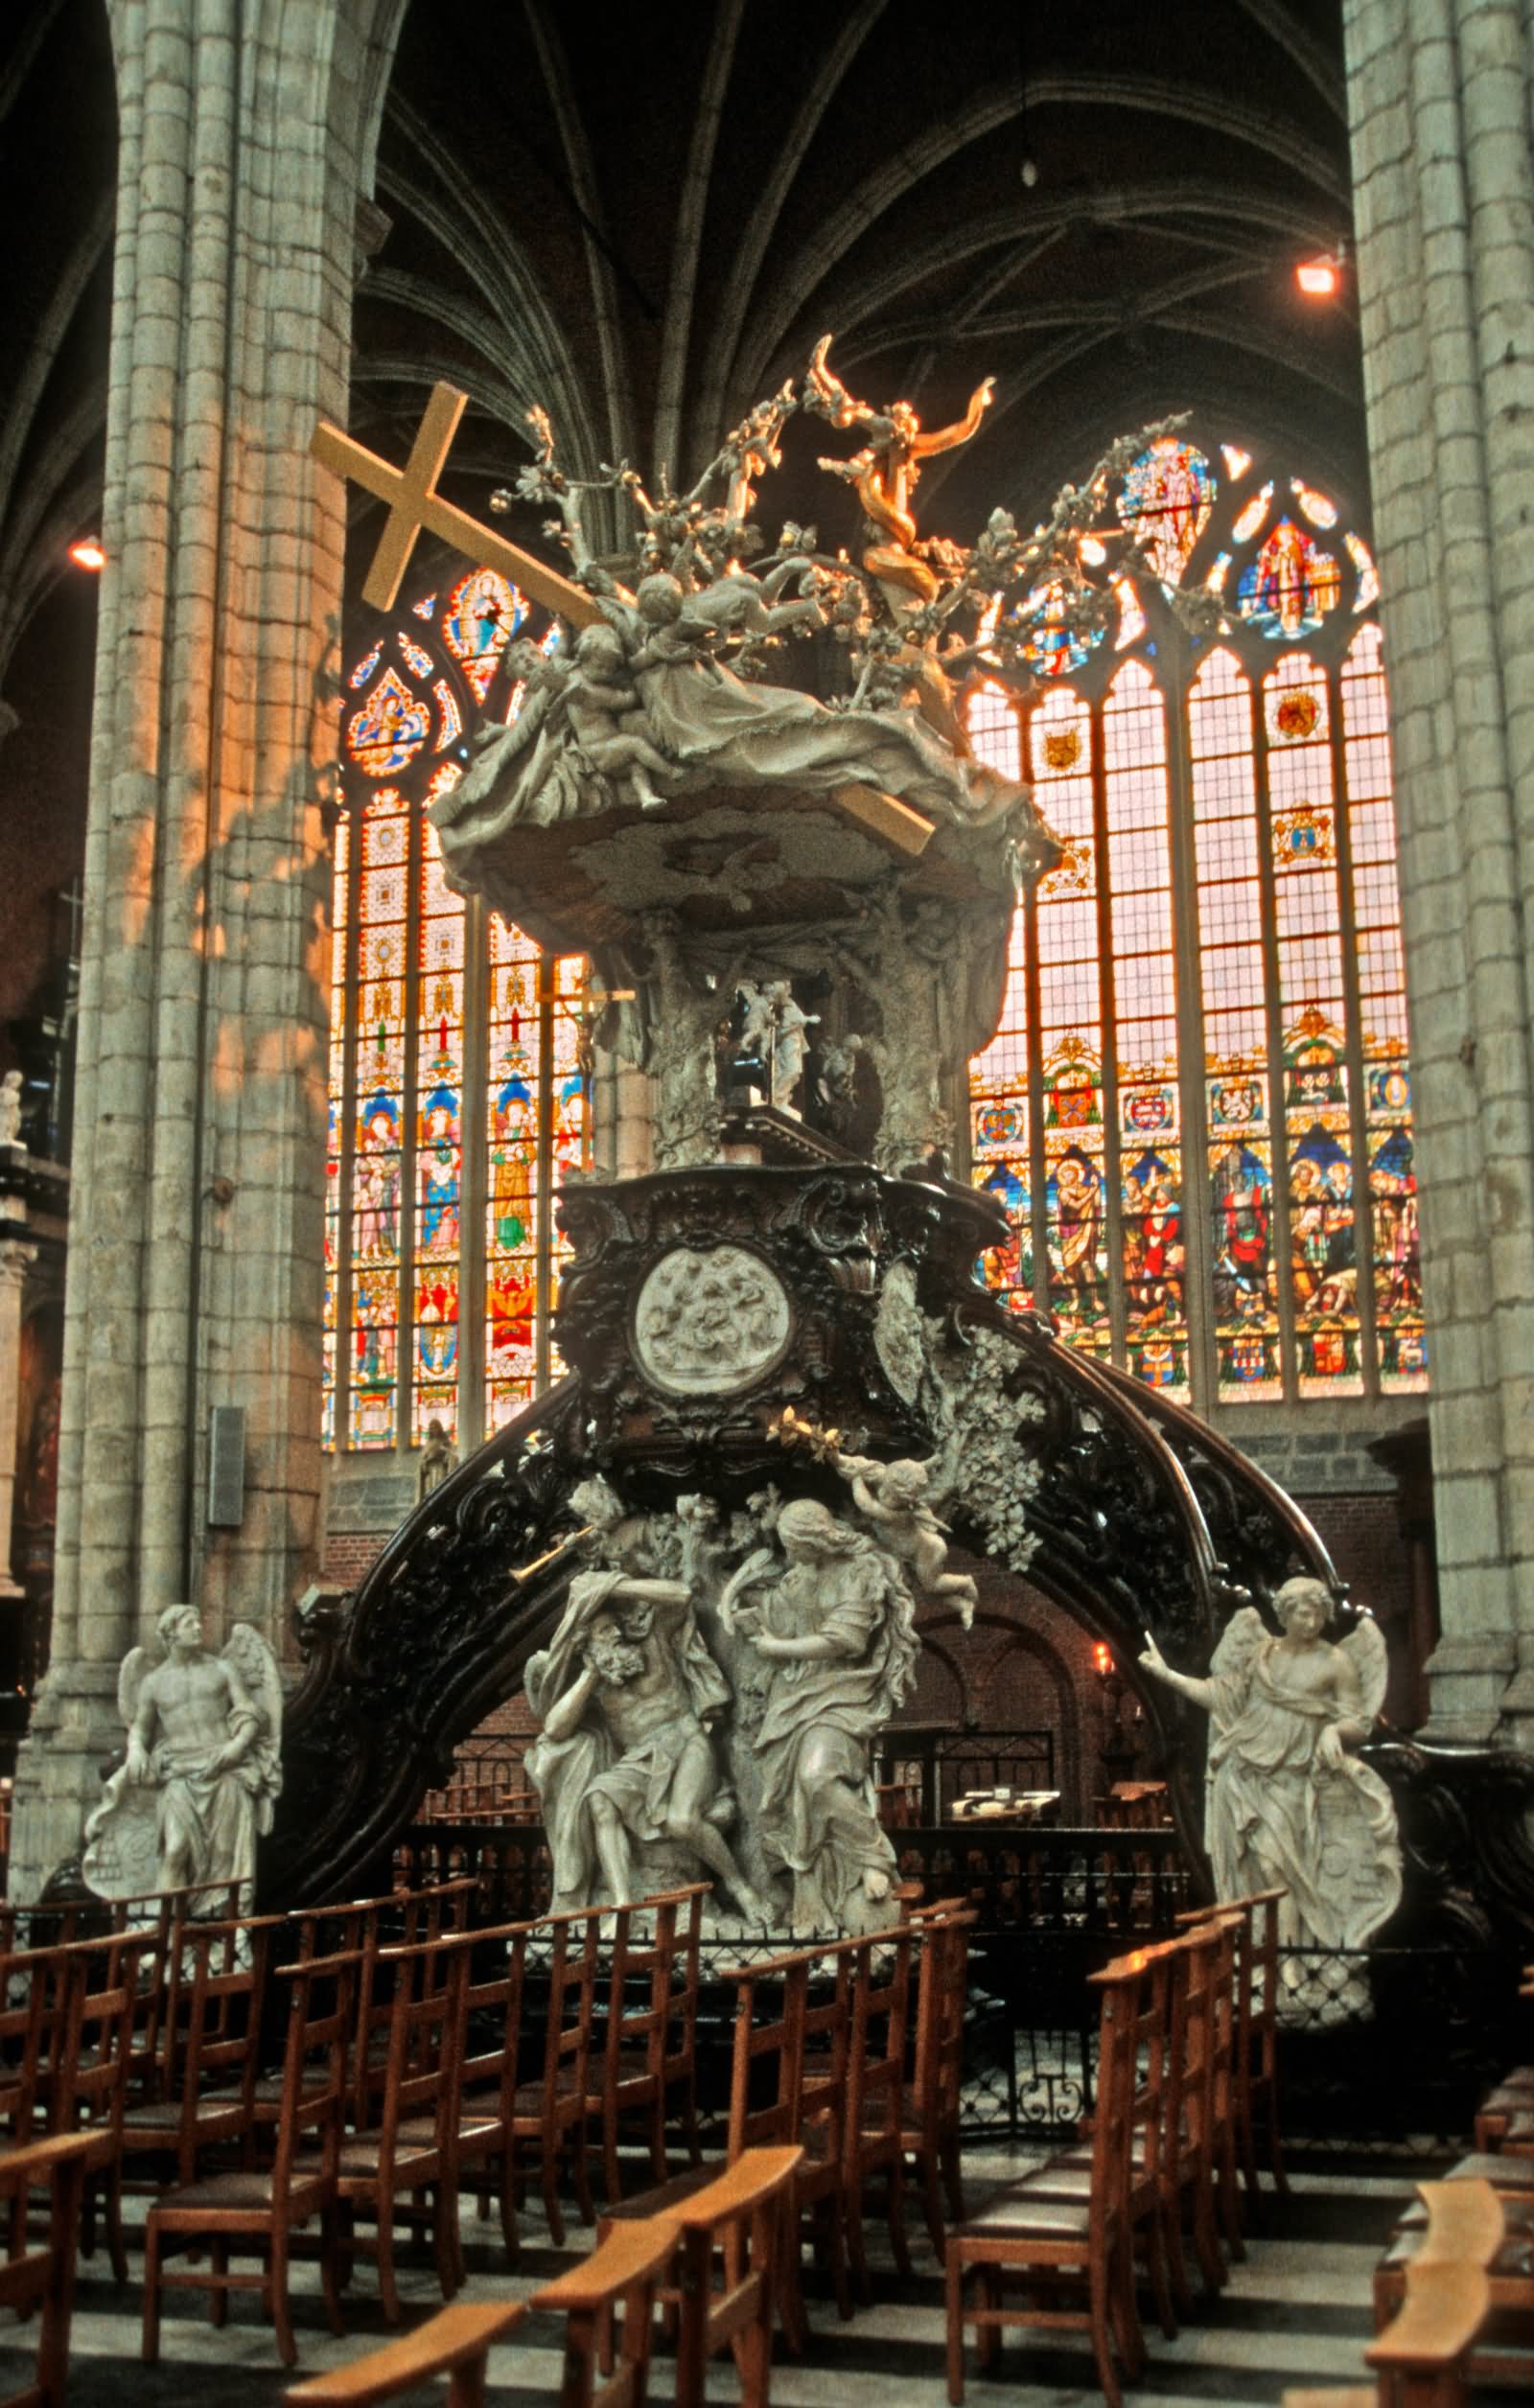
column 1439, row 101
column 196, row 1259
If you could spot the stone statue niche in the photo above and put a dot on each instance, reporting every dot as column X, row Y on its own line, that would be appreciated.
column 713, row 1696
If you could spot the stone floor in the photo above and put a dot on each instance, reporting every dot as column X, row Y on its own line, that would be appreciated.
column 1296, row 2312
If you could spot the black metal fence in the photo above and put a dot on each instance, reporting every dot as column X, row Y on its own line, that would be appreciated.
column 1380, row 2049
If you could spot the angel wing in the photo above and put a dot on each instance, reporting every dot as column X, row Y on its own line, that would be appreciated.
column 256, row 1666
column 135, row 1665
column 1238, row 1641
column 1365, row 1650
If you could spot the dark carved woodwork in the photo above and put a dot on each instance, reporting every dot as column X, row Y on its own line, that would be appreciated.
column 1143, row 1518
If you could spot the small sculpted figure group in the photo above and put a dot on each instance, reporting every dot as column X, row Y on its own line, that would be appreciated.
column 721, row 1672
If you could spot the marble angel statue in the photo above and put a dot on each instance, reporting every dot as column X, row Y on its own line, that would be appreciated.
column 203, row 1766
column 1288, row 1804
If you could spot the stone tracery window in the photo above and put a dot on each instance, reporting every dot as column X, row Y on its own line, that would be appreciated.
column 458, row 1093
column 1210, row 985
column 1197, row 1108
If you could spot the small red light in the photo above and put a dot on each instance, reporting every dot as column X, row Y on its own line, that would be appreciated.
column 1316, row 277
column 87, row 553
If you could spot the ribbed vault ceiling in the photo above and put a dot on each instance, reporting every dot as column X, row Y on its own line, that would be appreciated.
column 644, row 217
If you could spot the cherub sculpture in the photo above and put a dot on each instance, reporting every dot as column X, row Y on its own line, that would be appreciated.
column 606, row 718
column 11, row 1108
column 202, row 1770
column 1288, row 1804
column 894, row 1496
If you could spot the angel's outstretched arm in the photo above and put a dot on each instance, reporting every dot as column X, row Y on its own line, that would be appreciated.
column 1152, row 1661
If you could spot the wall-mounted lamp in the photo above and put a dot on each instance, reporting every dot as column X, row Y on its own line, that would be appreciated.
column 88, row 552
column 1320, row 278
column 1102, row 1658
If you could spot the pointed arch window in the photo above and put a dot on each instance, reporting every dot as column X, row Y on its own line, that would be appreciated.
column 458, row 1095
column 1198, row 1107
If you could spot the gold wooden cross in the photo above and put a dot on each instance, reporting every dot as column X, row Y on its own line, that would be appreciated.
column 414, row 504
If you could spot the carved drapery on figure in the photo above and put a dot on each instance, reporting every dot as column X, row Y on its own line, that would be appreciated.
column 747, row 1693
column 1289, row 1803
column 203, row 1765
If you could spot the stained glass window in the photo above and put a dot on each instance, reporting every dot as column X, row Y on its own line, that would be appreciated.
column 1196, row 1109
column 443, row 1120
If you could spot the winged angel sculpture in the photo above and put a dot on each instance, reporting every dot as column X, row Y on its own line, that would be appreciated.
column 1288, row 1805
column 203, row 1764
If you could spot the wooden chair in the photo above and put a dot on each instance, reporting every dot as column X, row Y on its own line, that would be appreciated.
column 648, row 2053
column 740, row 2220
column 495, row 1968
column 1189, row 2154
column 214, row 2032
column 874, row 2125
column 414, row 2146
column 457, row 2343
column 782, row 2096
column 44, row 2276
column 1053, row 2243
column 260, row 2206
column 930, row 2138
column 1256, row 2032
column 550, row 2108
column 1150, row 2194
column 91, row 2091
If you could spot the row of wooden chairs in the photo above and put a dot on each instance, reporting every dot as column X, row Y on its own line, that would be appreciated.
column 416, row 2067
column 1185, row 2041
column 155, row 2037
column 716, row 2259
column 821, row 2061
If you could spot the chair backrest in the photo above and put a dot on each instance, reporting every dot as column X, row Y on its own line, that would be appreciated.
column 767, row 2065
column 653, row 1998
column 1132, row 2007
column 738, row 2222
column 495, row 1975
column 573, row 1940
column 623, row 2273
column 876, row 2052
column 936, row 2066
column 320, row 1994
column 93, row 2075
column 403, row 1918
column 34, row 2025
column 1196, row 1971
column 424, row 2063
